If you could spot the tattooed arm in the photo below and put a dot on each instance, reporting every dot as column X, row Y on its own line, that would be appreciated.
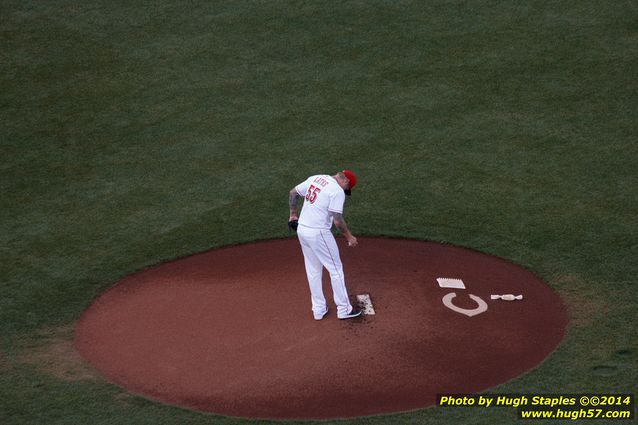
column 341, row 225
column 292, row 203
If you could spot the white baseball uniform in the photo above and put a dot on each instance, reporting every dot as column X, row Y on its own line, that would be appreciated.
column 322, row 195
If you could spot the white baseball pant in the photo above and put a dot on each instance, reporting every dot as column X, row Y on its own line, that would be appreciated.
column 320, row 250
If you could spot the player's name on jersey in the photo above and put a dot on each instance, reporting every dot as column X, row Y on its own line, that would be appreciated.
column 320, row 181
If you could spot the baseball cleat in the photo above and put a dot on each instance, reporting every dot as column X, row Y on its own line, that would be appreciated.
column 355, row 312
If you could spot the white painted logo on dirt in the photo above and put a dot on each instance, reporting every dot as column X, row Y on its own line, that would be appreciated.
column 446, row 282
column 481, row 308
column 365, row 304
column 507, row 297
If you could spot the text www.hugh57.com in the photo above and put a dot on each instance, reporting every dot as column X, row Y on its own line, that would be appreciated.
column 574, row 414
column 550, row 406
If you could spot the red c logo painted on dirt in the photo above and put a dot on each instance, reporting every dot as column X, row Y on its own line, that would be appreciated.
column 470, row 312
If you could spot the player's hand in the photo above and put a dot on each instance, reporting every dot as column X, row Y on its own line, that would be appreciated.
column 292, row 225
column 352, row 241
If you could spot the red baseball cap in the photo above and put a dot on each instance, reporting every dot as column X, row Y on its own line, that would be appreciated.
column 352, row 179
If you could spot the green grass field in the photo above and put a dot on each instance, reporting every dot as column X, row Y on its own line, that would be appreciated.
column 136, row 132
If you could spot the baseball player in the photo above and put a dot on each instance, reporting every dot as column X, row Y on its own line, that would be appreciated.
column 324, row 196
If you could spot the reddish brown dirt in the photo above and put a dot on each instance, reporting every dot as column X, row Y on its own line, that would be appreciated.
column 231, row 331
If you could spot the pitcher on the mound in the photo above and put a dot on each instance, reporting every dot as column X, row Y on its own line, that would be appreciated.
column 324, row 196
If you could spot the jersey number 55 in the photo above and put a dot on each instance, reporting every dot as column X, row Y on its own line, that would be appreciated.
column 311, row 194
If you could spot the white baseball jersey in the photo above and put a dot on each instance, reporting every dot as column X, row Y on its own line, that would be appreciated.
column 322, row 195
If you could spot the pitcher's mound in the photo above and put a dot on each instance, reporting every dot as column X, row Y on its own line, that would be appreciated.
column 231, row 331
